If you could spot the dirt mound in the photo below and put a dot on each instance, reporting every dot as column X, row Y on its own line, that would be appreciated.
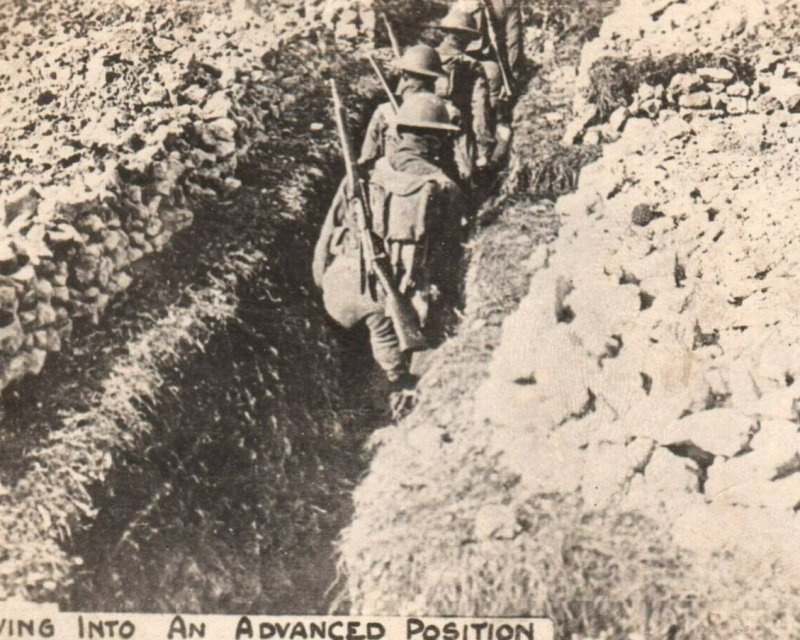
column 629, row 465
column 718, row 58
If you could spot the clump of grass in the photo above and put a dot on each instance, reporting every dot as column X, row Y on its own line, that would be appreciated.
column 52, row 499
column 557, row 172
column 613, row 81
column 551, row 171
column 611, row 84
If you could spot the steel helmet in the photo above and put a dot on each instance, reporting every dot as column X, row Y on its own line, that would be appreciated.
column 458, row 20
column 424, row 111
column 468, row 6
column 421, row 60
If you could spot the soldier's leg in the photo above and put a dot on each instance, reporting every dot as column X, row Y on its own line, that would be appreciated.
column 463, row 154
column 495, row 81
column 385, row 346
column 386, row 351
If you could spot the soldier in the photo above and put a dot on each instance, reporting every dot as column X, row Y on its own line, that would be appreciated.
column 507, row 20
column 469, row 92
column 420, row 67
column 500, row 109
column 415, row 212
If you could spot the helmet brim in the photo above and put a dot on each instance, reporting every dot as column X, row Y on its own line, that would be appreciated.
column 420, row 71
column 453, row 29
column 434, row 126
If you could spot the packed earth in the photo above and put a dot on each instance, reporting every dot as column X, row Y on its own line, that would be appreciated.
column 609, row 434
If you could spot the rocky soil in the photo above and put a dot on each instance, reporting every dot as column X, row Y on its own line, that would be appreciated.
column 113, row 116
column 227, row 146
column 611, row 438
column 629, row 463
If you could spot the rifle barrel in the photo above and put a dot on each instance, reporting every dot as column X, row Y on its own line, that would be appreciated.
column 392, row 36
column 404, row 318
column 489, row 17
column 344, row 139
column 384, row 82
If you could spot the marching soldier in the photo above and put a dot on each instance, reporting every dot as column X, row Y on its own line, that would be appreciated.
column 468, row 90
column 415, row 210
column 499, row 50
column 506, row 18
column 420, row 67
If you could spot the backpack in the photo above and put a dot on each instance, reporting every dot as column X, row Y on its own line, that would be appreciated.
column 405, row 217
column 404, row 221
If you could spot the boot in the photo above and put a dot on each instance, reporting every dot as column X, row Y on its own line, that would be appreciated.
column 402, row 396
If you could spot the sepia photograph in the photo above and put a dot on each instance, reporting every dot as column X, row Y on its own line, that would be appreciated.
column 399, row 319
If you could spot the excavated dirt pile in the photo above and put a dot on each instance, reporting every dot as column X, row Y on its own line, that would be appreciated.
column 629, row 466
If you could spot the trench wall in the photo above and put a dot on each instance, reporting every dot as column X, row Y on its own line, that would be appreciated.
column 192, row 110
column 115, row 118
column 628, row 465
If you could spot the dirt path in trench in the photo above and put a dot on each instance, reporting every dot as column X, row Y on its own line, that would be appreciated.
column 186, row 525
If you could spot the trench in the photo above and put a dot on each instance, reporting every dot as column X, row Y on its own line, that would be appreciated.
column 234, row 501
column 230, row 506
column 224, row 508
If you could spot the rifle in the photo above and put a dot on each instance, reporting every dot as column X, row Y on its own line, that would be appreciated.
column 392, row 36
column 384, row 82
column 399, row 309
column 488, row 15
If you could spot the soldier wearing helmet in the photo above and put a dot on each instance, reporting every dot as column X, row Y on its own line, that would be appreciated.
column 507, row 20
column 416, row 209
column 420, row 68
column 468, row 90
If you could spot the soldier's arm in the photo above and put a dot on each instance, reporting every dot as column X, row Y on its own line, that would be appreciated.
column 373, row 146
column 451, row 207
column 446, row 244
column 460, row 211
column 481, row 115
